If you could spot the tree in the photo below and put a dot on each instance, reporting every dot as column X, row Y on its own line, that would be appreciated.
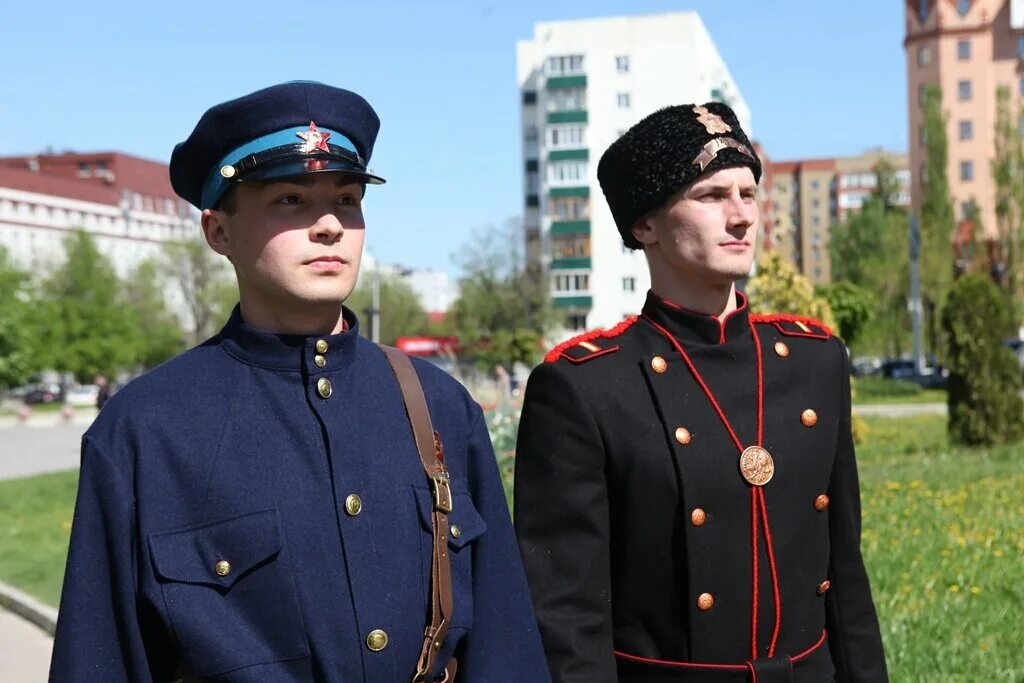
column 401, row 313
column 206, row 284
column 501, row 313
column 158, row 334
column 937, row 218
column 1007, row 169
column 80, row 321
column 869, row 250
column 852, row 308
column 779, row 288
column 985, row 406
column 15, row 352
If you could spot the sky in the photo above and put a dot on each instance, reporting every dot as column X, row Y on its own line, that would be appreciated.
column 821, row 79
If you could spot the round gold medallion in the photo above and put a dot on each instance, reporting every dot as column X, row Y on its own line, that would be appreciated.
column 809, row 418
column 223, row 568
column 324, row 388
column 705, row 601
column 781, row 349
column 321, row 346
column 756, row 465
column 821, row 502
column 659, row 364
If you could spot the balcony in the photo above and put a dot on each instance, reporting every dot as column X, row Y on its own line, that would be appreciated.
column 575, row 81
column 578, row 302
column 569, row 155
column 556, row 192
column 570, row 263
column 568, row 116
column 570, row 228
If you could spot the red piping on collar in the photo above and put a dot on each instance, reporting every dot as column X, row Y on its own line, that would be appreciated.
column 556, row 353
column 789, row 318
column 721, row 323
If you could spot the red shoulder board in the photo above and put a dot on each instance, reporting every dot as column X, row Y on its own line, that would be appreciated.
column 590, row 345
column 795, row 325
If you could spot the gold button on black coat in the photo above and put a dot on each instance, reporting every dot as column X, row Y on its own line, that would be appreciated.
column 321, row 346
column 223, row 568
column 377, row 640
column 324, row 388
column 353, row 505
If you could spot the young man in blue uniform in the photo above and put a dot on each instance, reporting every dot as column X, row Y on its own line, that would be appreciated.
column 686, row 492
column 256, row 509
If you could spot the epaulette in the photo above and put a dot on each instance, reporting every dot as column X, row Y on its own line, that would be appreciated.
column 589, row 345
column 795, row 325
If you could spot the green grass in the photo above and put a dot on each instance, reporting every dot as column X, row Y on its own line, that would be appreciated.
column 35, row 525
column 943, row 541
column 874, row 390
column 944, row 544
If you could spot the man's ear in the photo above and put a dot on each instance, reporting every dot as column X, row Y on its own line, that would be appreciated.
column 643, row 230
column 216, row 228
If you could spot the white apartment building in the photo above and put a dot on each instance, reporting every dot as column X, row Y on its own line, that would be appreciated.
column 582, row 84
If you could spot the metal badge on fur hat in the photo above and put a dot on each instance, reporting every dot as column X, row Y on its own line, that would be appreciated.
column 664, row 153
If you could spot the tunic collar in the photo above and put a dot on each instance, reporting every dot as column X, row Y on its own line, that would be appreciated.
column 689, row 326
column 313, row 355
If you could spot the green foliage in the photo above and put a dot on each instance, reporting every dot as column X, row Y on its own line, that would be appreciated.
column 937, row 217
column 79, row 320
column 778, row 287
column 503, row 310
column 401, row 313
column 869, row 251
column 15, row 342
column 158, row 335
column 985, row 406
column 205, row 282
column 852, row 308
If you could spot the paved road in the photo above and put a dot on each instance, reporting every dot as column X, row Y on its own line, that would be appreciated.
column 44, row 446
column 24, row 650
column 900, row 409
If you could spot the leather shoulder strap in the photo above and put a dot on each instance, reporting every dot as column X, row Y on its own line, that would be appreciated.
column 431, row 453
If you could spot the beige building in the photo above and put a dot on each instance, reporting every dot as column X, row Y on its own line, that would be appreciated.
column 809, row 196
column 968, row 48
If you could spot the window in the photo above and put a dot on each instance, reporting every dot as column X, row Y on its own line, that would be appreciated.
column 922, row 94
column 963, row 90
column 570, row 208
column 529, row 97
column 963, row 50
column 566, row 136
column 532, row 182
column 967, row 209
column 622, row 64
column 922, row 10
column 572, row 283
column 966, row 170
column 814, row 185
column 629, row 284
column 922, row 135
column 966, row 130
column 963, row 7
column 623, row 100
column 565, row 65
column 567, row 99
column 576, row 323
column 924, row 174
column 924, row 55
column 815, row 203
column 567, row 172
column 570, row 246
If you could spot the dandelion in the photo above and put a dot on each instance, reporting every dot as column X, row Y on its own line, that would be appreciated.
column 975, row 590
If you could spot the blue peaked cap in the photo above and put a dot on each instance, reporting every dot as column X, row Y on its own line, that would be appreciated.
column 282, row 131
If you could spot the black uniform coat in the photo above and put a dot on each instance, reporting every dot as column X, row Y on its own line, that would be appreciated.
column 230, row 453
column 632, row 515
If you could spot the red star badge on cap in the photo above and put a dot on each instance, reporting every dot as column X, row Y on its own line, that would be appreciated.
column 315, row 140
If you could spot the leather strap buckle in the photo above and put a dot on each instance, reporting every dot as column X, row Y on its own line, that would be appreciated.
column 442, row 492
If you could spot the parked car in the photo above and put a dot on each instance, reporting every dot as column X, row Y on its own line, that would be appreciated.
column 83, row 396
column 47, row 392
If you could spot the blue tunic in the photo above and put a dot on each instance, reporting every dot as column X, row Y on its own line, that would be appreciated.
column 212, row 530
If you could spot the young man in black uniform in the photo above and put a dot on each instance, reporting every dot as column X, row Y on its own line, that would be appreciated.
column 687, row 502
